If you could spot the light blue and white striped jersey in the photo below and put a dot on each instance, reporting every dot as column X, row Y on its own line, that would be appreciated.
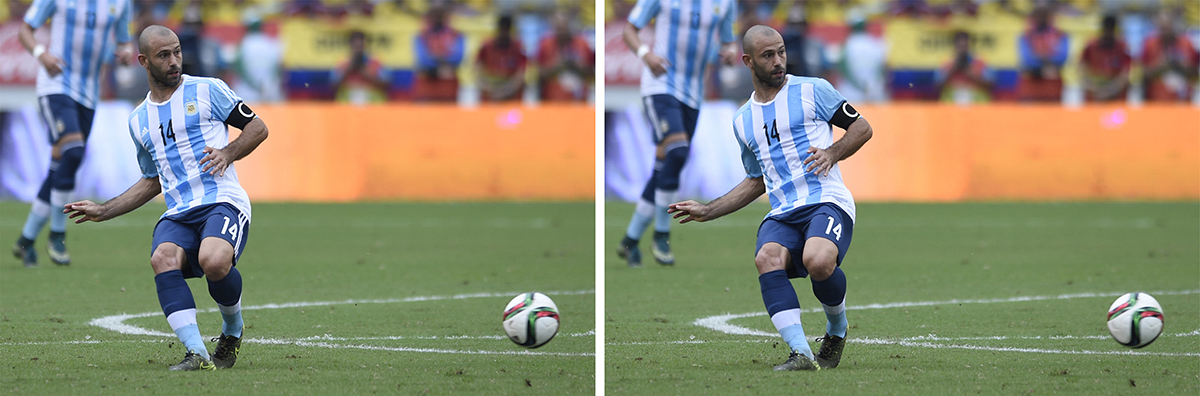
column 776, row 135
column 81, row 34
column 170, row 137
column 686, row 34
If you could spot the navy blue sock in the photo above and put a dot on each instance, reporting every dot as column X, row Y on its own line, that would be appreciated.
column 173, row 292
column 784, row 308
column 832, row 290
column 227, row 292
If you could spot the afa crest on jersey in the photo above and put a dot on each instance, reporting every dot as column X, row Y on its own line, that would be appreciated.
column 191, row 108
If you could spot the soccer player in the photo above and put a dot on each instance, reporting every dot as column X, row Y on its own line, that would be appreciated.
column 672, row 89
column 68, row 83
column 204, row 229
column 789, row 153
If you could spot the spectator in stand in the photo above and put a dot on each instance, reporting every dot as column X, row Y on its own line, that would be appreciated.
column 201, row 55
column 1104, row 65
column 361, row 79
column 805, row 54
column 1170, row 63
column 863, row 65
column 565, row 63
column 439, row 50
column 965, row 79
column 259, row 63
column 1043, row 52
column 501, row 64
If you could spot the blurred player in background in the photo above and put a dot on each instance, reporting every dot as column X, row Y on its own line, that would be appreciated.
column 68, row 84
column 789, row 153
column 672, row 89
column 206, row 225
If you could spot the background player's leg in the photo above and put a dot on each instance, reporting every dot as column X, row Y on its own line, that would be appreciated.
column 175, row 297
column 224, row 282
column 69, row 150
column 828, row 282
column 779, row 297
column 38, row 215
column 673, row 152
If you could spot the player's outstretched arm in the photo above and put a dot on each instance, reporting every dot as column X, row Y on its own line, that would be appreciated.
column 217, row 160
column 141, row 192
column 821, row 161
column 741, row 195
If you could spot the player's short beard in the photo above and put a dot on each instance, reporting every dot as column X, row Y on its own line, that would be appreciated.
column 162, row 79
column 765, row 76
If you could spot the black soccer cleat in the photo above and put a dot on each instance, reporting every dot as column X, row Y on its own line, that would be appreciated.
column 227, row 351
column 26, row 254
column 798, row 362
column 193, row 362
column 831, row 351
column 628, row 251
column 662, row 248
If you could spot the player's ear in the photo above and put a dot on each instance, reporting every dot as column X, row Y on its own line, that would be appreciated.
column 746, row 59
column 141, row 58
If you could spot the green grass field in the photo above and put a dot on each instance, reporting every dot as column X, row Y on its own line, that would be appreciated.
column 340, row 299
column 991, row 298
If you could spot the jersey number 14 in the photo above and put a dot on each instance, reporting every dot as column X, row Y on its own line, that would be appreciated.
column 773, row 132
column 168, row 134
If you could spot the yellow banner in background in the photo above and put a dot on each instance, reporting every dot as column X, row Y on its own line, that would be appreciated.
column 322, row 44
column 929, row 44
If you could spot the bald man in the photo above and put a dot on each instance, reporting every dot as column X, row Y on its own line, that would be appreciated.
column 789, row 152
column 207, row 221
column 68, row 88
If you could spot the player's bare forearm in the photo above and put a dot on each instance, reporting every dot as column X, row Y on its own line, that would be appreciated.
column 253, row 135
column 137, row 195
column 858, row 134
column 630, row 36
column 25, row 35
column 740, row 196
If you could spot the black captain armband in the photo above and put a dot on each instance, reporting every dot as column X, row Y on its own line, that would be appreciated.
column 844, row 116
column 240, row 116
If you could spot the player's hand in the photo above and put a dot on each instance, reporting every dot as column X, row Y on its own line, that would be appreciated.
column 819, row 162
column 215, row 162
column 52, row 64
column 658, row 65
column 689, row 210
column 85, row 211
column 126, row 56
column 729, row 57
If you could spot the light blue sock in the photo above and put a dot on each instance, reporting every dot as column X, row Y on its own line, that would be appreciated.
column 190, row 336
column 795, row 338
column 38, row 215
column 231, row 323
column 837, row 324
column 58, row 219
column 662, row 219
column 641, row 218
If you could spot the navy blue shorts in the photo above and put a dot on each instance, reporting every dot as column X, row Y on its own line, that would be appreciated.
column 64, row 115
column 187, row 229
column 825, row 220
column 668, row 115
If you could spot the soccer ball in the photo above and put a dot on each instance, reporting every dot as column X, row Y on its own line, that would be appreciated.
column 531, row 319
column 1135, row 320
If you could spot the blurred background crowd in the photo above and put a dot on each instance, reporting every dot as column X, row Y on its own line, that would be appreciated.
column 358, row 51
column 964, row 51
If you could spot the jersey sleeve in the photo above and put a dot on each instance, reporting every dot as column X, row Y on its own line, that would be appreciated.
column 726, row 28
column 223, row 99
column 828, row 100
column 749, row 161
column 39, row 11
column 121, row 31
column 643, row 12
column 145, row 162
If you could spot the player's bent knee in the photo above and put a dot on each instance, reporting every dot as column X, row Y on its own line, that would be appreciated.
column 167, row 257
column 216, row 258
column 771, row 258
column 820, row 263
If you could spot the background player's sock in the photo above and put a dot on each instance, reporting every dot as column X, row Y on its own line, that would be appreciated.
column 38, row 214
column 641, row 218
column 180, row 309
column 784, row 308
column 662, row 219
column 58, row 219
column 227, row 292
column 832, row 294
